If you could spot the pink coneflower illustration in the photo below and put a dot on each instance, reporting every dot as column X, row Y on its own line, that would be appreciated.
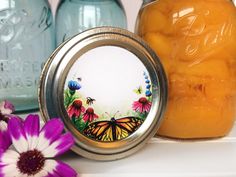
column 89, row 115
column 75, row 109
column 142, row 105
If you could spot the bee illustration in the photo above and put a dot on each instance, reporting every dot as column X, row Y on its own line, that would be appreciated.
column 90, row 101
column 79, row 79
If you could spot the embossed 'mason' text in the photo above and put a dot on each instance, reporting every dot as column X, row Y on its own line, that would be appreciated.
column 19, row 74
column 20, row 67
column 18, row 82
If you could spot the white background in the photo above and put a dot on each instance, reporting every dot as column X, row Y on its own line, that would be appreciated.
column 113, row 94
column 131, row 8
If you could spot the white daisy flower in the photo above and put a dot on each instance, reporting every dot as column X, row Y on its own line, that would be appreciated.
column 35, row 149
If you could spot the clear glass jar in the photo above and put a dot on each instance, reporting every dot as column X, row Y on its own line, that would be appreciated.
column 196, row 42
column 26, row 41
column 75, row 16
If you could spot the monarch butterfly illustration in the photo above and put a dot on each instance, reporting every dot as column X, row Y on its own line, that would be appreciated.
column 115, row 129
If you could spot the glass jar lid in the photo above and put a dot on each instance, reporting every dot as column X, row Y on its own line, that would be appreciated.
column 110, row 90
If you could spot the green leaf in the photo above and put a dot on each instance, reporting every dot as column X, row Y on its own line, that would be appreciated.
column 79, row 124
column 67, row 98
column 143, row 115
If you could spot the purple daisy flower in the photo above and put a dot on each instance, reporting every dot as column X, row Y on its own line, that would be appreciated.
column 5, row 140
column 6, row 108
column 35, row 149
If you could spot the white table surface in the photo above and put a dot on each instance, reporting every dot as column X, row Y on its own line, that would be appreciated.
column 165, row 158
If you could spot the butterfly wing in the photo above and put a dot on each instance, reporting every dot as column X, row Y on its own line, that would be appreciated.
column 130, row 124
column 112, row 131
column 96, row 130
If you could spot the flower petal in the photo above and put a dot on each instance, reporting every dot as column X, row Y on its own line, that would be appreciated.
column 53, row 174
column 1, row 174
column 41, row 173
column 3, row 126
column 1, row 154
column 10, row 171
column 17, row 135
column 65, row 170
column 31, row 127
column 49, row 133
column 23, row 175
column 5, row 140
column 60, row 146
column 49, row 167
column 9, row 157
column 58, row 168
column 6, row 107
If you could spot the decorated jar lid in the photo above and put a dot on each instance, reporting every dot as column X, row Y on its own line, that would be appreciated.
column 109, row 89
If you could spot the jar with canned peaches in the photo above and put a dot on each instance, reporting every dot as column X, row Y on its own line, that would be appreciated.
column 196, row 42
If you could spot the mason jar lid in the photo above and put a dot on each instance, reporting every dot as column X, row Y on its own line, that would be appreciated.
column 110, row 90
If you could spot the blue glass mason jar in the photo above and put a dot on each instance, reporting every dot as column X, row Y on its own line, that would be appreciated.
column 26, row 41
column 75, row 16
